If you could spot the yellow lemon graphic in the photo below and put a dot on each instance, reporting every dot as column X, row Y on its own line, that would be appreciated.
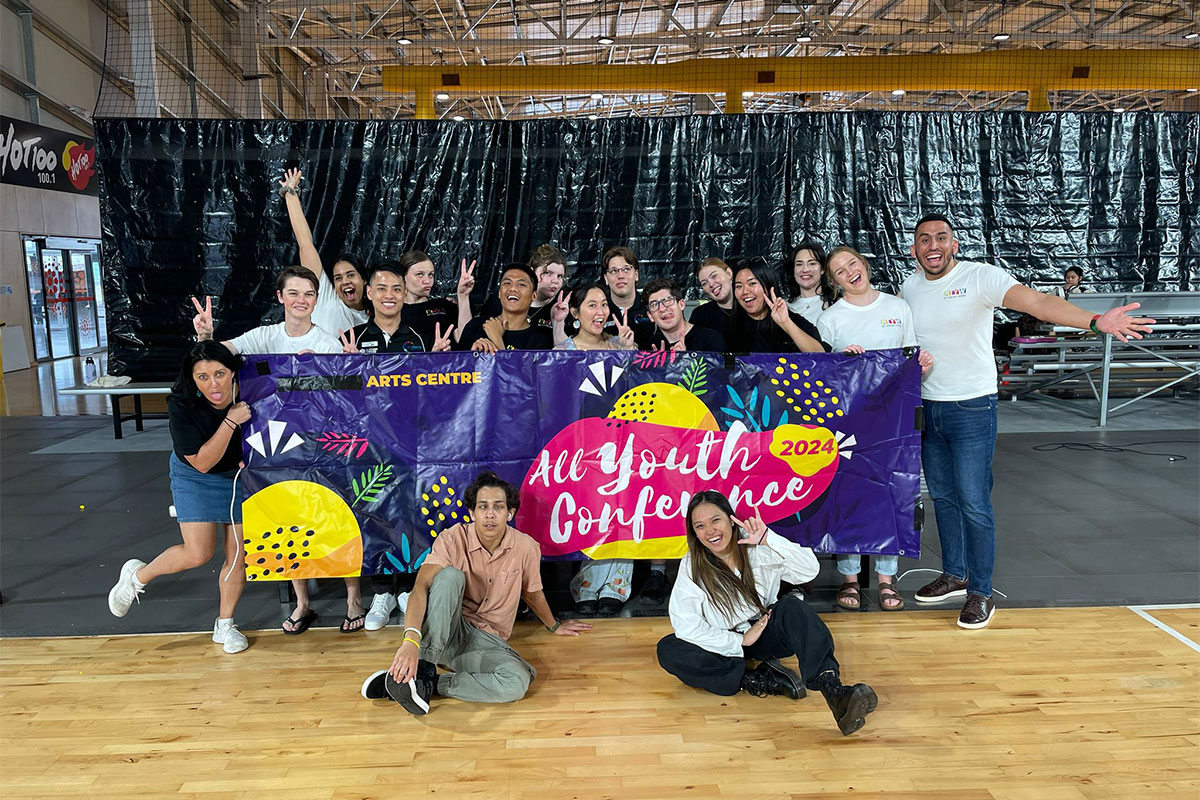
column 806, row 449
column 300, row 529
column 663, row 404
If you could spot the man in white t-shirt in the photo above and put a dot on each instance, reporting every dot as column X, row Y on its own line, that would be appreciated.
column 952, row 303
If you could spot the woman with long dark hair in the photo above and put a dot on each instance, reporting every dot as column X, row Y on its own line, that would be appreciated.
column 808, row 289
column 724, row 611
column 762, row 322
column 205, row 418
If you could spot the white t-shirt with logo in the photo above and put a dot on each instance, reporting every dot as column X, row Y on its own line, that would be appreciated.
column 953, row 320
column 884, row 324
column 330, row 312
column 808, row 307
column 273, row 340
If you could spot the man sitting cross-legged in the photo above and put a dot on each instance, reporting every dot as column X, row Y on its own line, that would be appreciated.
column 462, row 608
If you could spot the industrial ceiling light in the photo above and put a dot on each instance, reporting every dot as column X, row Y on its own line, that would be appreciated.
column 593, row 117
column 1192, row 35
column 606, row 39
column 747, row 94
column 442, row 96
column 403, row 39
column 1119, row 110
column 1001, row 37
column 897, row 93
column 457, row 118
column 1193, row 90
column 803, row 38
column 597, row 96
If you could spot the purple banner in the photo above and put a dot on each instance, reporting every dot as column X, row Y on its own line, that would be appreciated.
column 355, row 463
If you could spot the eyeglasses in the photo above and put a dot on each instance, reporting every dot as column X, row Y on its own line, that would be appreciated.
column 655, row 305
column 625, row 270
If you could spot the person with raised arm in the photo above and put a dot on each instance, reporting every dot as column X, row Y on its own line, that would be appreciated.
column 725, row 610
column 549, row 265
column 589, row 305
column 953, row 303
column 463, row 606
column 762, row 322
column 340, row 302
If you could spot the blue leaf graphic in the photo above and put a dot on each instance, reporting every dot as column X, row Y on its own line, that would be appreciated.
column 733, row 395
column 395, row 561
column 733, row 413
column 404, row 551
column 420, row 559
column 766, row 412
column 753, row 399
column 783, row 418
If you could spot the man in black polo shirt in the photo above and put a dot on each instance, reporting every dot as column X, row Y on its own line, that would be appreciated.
column 620, row 268
column 385, row 332
column 664, row 301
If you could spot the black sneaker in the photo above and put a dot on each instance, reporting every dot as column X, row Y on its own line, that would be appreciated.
column 977, row 612
column 414, row 694
column 656, row 589
column 765, row 680
column 375, row 686
column 850, row 705
column 587, row 607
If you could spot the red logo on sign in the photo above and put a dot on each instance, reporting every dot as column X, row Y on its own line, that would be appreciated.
column 80, row 162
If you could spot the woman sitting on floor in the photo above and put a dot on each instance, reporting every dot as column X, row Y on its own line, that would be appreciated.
column 205, row 422
column 723, row 610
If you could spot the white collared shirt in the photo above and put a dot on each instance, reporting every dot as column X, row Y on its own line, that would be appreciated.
column 696, row 619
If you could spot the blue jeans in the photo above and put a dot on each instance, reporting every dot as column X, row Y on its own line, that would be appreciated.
column 851, row 564
column 956, row 452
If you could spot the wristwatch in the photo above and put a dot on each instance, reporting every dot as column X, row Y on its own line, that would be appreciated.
column 556, row 626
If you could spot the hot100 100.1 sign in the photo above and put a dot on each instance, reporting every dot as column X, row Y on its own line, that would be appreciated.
column 355, row 463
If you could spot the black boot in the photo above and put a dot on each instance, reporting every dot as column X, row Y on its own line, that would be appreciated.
column 770, row 679
column 849, row 704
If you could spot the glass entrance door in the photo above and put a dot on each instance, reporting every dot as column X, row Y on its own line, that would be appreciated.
column 66, row 303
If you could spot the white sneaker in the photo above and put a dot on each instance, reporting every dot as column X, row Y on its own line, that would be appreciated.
column 226, row 633
column 381, row 611
column 402, row 602
column 127, row 588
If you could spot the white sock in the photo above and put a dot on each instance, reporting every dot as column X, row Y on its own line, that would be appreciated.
column 224, row 623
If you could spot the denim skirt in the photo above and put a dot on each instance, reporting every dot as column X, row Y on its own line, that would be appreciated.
column 203, row 497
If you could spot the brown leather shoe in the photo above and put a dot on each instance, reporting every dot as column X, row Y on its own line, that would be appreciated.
column 942, row 589
column 977, row 612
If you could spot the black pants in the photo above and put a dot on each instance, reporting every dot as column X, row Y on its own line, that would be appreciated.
column 794, row 629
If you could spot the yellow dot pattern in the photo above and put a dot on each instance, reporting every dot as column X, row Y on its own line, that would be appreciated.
column 634, row 406
column 811, row 399
column 441, row 505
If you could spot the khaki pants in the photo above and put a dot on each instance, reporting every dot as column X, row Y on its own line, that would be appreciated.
column 483, row 668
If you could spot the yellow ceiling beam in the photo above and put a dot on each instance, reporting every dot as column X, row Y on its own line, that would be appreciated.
column 1035, row 71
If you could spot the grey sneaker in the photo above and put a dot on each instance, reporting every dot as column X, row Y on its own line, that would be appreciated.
column 127, row 588
column 227, row 634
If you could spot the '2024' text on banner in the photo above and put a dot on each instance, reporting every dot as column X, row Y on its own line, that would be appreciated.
column 354, row 463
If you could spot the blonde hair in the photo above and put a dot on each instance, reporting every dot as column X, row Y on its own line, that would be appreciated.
column 828, row 276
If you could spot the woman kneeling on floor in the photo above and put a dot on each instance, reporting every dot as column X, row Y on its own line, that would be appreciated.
column 205, row 422
column 724, row 612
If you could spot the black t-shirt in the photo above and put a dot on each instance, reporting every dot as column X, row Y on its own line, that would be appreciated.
column 535, row 337
column 748, row 335
column 193, row 424
column 698, row 338
column 638, row 319
column 711, row 315
column 422, row 317
column 369, row 338
column 539, row 315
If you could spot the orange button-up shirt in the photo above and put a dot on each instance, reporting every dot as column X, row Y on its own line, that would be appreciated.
column 495, row 580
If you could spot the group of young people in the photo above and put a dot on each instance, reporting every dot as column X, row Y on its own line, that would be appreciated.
column 724, row 607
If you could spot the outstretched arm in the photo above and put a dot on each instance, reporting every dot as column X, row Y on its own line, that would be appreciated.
column 290, row 186
column 539, row 606
column 1058, row 311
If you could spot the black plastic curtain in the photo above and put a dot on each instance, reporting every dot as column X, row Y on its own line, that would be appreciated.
column 189, row 206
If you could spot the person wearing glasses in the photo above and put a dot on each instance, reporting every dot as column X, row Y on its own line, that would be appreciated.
column 664, row 301
column 620, row 267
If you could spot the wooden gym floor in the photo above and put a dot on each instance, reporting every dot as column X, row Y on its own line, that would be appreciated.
column 1047, row 704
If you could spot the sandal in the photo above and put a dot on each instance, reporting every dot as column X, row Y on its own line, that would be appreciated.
column 887, row 591
column 299, row 626
column 848, row 596
column 348, row 623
